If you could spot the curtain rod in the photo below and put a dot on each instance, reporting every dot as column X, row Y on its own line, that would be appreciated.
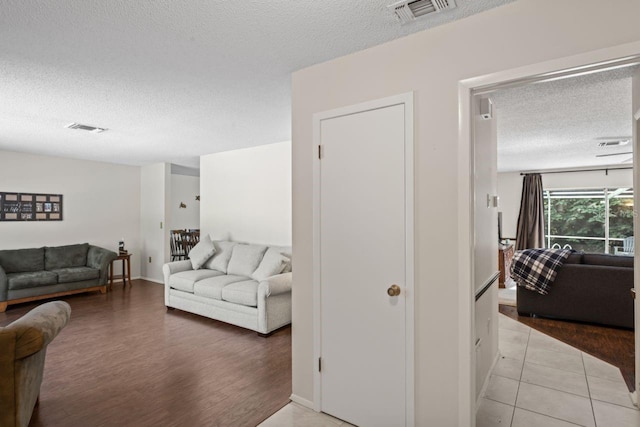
column 581, row 170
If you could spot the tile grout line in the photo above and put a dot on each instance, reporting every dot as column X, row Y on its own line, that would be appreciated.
column 513, row 414
column 586, row 378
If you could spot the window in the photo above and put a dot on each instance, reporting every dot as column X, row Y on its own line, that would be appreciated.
column 595, row 220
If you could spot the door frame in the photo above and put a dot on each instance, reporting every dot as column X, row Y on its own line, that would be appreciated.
column 466, row 89
column 407, row 99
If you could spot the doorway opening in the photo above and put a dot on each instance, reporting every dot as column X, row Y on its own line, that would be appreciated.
column 591, row 169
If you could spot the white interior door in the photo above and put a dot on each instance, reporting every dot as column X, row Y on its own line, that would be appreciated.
column 363, row 252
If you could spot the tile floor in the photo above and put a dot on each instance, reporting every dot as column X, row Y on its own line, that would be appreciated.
column 540, row 381
column 537, row 382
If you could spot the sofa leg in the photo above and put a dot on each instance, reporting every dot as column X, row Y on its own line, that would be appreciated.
column 170, row 308
column 3, row 306
column 260, row 334
column 103, row 290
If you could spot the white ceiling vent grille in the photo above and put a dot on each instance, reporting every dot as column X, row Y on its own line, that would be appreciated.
column 407, row 11
column 88, row 128
column 613, row 143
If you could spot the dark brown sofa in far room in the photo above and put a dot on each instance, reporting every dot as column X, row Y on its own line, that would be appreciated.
column 592, row 288
column 33, row 274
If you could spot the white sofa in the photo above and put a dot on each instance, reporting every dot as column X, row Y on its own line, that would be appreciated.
column 235, row 285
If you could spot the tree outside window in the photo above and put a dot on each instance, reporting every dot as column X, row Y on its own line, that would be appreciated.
column 594, row 220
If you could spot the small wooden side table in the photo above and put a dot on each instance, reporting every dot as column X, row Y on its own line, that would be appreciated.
column 505, row 256
column 126, row 270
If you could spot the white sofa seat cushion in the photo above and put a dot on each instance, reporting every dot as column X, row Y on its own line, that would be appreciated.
column 185, row 280
column 212, row 287
column 220, row 259
column 245, row 259
column 243, row 293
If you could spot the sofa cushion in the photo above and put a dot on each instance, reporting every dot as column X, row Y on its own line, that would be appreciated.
column 65, row 256
column 287, row 252
column 212, row 287
column 272, row 263
column 76, row 274
column 201, row 252
column 32, row 279
column 243, row 293
column 245, row 259
column 220, row 260
column 22, row 260
column 610, row 260
column 185, row 280
column 574, row 258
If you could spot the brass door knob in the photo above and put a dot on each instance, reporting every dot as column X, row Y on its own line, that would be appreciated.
column 393, row 291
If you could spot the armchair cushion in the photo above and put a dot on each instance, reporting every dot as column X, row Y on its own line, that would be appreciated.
column 22, row 355
column 66, row 256
column 32, row 279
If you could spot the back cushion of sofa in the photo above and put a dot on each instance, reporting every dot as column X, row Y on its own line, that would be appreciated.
column 245, row 259
column 610, row 260
column 287, row 253
column 574, row 258
column 65, row 256
column 22, row 260
column 274, row 262
column 220, row 260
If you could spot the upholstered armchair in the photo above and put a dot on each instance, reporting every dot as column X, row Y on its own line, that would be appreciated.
column 23, row 345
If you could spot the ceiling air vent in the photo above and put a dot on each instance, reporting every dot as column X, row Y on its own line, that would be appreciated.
column 92, row 129
column 407, row 11
column 613, row 143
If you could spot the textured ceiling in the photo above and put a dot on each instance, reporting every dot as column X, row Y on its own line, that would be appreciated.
column 172, row 80
column 558, row 125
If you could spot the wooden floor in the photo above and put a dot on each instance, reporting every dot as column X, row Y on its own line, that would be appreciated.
column 615, row 346
column 124, row 360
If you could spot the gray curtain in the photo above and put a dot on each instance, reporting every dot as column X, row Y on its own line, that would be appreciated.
column 530, row 232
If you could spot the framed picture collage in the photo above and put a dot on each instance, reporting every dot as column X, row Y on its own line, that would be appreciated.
column 30, row 207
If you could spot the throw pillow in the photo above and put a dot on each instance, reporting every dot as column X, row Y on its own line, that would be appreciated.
column 201, row 252
column 220, row 260
column 273, row 263
column 245, row 259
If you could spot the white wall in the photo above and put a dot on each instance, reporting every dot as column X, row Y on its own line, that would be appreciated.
column 432, row 63
column 184, row 189
column 155, row 192
column 486, row 243
column 510, row 189
column 101, row 203
column 246, row 194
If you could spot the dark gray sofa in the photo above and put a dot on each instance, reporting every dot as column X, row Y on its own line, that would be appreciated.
column 32, row 274
column 593, row 288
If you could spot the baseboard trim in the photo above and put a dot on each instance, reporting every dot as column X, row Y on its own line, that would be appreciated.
column 486, row 381
column 302, row 401
column 149, row 280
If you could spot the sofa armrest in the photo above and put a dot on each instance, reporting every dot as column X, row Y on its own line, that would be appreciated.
column 172, row 268
column 39, row 327
column 175, row 267
column 100, row 258
column 275, row 285
column 4, row 285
